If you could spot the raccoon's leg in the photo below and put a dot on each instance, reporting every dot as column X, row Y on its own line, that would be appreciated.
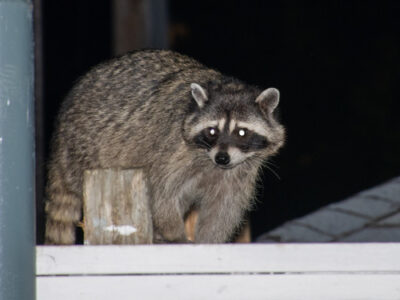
column 63, row 210
column 219, row 216
column 168, row 227
column 168, row 224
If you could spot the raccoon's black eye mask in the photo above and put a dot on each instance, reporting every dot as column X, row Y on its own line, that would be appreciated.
column 252, row 142
column 241, row 138
column 207, row 138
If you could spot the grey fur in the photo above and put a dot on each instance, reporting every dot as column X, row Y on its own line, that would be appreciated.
column 138, row 111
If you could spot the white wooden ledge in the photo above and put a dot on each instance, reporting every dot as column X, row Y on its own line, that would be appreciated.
column 239, row 271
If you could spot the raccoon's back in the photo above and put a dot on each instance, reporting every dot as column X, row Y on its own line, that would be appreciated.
column 128, row 77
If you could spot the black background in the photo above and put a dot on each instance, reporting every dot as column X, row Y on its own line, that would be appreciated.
column 336, row 64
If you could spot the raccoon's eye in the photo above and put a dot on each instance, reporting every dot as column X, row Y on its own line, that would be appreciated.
column 212, row 132
column 242, row 132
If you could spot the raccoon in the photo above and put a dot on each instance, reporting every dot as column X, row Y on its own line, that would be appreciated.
column 200, row 137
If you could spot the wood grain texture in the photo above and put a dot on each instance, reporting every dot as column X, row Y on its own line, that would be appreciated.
column 116, row 208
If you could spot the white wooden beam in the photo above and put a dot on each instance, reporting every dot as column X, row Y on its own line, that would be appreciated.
column 227, row 258
column 235, row 271
column 282, row 287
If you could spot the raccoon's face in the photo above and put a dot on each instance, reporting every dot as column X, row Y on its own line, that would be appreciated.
column 233, row 127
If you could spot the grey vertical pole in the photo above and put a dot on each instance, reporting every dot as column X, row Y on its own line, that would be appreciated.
column 17, row 241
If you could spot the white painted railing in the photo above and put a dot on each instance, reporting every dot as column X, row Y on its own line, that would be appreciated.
column 239, row 271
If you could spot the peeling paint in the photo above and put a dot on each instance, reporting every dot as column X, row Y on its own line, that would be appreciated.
column 122, row 229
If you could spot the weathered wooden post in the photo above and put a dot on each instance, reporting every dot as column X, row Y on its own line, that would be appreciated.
column 116, row 208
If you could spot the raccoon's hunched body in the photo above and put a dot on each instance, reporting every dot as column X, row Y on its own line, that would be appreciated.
column 200, row 137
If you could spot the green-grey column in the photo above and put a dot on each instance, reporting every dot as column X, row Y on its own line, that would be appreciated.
column 17, row 229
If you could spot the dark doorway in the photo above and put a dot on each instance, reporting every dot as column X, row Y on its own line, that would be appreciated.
column 336, row 64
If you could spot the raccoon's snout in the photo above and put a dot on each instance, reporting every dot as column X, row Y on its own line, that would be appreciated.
column 222, row 158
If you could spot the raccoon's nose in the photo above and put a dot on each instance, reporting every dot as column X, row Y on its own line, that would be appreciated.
column 222, row 158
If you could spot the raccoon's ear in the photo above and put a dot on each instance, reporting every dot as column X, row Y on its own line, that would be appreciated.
column 199, row 94
column 268, row 100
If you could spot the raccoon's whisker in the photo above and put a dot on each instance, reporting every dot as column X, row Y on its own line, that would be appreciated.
column 204, row 143
column 254, row 162
column 269, row 161
column 265, row 163
column 272, row 171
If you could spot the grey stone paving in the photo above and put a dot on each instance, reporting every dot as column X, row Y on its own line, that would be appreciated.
column 391, row 221
column 372, row 215
column 295, row 233
column 364, row 206
column 331, row 222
